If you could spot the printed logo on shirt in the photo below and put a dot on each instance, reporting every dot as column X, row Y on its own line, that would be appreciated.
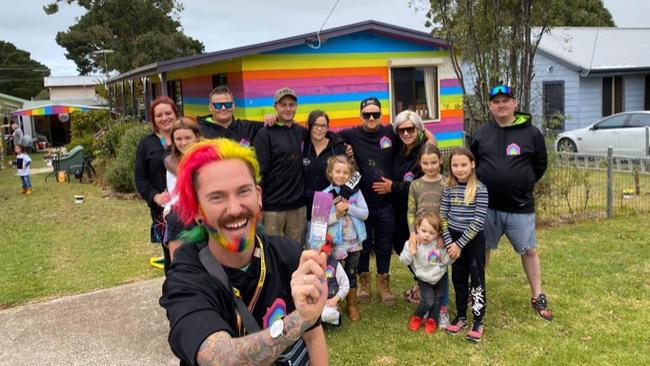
column 277, row 310
column 305, row 161
column 433, row 256
column 329, row 272
column 409, row 177
column 385, row 142
column 513, row 150
column 245, row 143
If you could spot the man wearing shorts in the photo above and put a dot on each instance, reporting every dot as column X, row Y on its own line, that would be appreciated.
column 511, row 157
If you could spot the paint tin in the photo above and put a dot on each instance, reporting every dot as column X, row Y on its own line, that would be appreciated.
column 78, row 198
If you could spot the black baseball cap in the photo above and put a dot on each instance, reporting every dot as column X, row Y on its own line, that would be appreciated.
column 370, row 101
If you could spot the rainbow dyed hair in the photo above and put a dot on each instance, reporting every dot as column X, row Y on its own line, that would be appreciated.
column 195, row 158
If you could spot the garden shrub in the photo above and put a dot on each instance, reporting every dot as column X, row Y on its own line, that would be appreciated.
column 88, row 123
column 108, row 145
column 120, row 172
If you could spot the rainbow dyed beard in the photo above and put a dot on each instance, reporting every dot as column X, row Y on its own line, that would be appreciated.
column 235, row 246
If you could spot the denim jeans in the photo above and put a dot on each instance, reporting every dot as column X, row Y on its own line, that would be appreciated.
column 430, row 299
column 27, row 183
column 380, row 228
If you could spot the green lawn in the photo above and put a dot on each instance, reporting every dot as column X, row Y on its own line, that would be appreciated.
column 51, row 246
column 596, row 274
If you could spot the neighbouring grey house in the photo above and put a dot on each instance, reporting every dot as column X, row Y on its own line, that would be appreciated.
column 585, row 74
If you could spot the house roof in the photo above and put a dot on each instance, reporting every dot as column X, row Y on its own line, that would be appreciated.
column 598, row 50
column 62, row 81
column 205, row 58
column 12, row 98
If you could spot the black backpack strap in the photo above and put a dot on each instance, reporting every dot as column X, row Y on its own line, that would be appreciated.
column 216, row 270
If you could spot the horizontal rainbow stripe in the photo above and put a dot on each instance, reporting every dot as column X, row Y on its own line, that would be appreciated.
column 334, row 78
column 53, row 109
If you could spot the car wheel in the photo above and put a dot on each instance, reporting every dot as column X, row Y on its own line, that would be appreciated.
column 566, row 145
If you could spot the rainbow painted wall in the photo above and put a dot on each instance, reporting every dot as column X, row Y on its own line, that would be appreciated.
column 51, row 109
column 334, row 78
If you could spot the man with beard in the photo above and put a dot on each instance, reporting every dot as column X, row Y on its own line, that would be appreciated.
column 279, row 151
column 284, row 290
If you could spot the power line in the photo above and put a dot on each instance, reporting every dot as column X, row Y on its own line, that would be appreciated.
column 321, row 28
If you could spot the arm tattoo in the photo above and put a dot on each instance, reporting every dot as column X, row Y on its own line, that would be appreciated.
column 254, row 349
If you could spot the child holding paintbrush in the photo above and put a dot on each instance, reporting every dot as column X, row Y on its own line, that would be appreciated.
column 346, row 224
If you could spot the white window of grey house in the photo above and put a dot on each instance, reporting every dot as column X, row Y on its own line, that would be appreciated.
column 612, row 95
column 416, row 88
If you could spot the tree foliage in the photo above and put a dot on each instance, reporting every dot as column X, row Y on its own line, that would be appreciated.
column 139, row 32
column 20, row 76
column 494, row 41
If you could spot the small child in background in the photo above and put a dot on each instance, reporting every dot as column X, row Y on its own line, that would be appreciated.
column 346, row 225
column 428, row 259
column 22, row 163
column 338, row 286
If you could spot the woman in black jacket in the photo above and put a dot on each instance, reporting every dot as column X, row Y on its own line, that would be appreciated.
column 150, row 168
column 321, row 145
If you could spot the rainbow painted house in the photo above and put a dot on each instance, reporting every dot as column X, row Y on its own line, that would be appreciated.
column 403, row 68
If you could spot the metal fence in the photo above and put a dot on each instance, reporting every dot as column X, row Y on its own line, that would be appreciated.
column 578, row 186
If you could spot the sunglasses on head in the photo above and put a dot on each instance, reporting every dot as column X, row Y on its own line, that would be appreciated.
column 500, row 89
column 410, row 130
column 374, row 115
column 218, row 105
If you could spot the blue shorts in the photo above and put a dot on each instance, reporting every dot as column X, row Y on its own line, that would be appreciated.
column 519, row 228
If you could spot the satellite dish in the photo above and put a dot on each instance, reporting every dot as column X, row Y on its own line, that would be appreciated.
column 64, row 117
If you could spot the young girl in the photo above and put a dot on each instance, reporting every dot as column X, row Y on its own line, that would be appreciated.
column 22, row 163
column 463, row 210
column 346, row 225
column 338, row 286
column 184, row 133
column 428, row 259
column 424, row 196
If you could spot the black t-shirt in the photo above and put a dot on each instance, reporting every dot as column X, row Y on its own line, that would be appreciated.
column 198, row 305
column 240, row 130
column 315, row 167
column 374, row 153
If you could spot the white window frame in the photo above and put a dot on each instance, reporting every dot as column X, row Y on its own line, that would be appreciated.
column 437, row 62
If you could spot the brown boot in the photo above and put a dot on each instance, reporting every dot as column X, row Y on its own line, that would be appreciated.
column 383, row 290
column 363, row 290
column 351, row 299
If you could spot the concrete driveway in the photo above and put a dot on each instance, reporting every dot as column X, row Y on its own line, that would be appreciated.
column 118, row 326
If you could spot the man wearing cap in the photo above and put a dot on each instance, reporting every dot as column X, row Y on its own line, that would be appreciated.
column 222, row 123
column 374, row 147
column 510, row 158
column 279, row 151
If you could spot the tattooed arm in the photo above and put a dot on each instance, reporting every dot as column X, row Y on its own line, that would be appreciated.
column 254, row 349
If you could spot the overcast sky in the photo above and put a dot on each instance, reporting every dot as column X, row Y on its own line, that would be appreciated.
column 221, row 24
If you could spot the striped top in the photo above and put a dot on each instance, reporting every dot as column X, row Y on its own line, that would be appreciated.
column 458, row 216
column 423, row 197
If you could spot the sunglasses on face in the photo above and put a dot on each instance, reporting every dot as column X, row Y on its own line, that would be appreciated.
column 374, row 115
column 409, row 130
column 500, row 89
column 219, row 105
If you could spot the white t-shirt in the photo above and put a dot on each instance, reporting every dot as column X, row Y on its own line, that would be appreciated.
column 23, row 162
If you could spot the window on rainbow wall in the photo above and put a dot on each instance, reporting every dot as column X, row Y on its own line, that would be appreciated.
column 415, row 88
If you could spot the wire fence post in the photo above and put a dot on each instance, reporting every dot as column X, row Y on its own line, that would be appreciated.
column 647, row 140
column 610, row 182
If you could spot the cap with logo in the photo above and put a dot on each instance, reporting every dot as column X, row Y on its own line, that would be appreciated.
column 501, row 89
column 283, row 92
column 370, row 101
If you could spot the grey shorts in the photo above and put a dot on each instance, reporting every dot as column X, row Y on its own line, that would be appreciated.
column 519, row 228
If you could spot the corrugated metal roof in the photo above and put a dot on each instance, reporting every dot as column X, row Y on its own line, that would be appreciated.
column 86, row 80
column 12, row 98
column 598, row 50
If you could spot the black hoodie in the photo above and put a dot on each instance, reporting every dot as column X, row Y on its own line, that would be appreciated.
column 509, row 161
column 279, row 152
column 239, row 130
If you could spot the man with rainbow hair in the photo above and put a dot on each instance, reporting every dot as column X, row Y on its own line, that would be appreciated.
column 284, row 290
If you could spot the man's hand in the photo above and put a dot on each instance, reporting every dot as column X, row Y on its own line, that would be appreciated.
column 348, row 151
column 309, row 285
column 270, row 119
column 453, row 250
column 383, row 187
column 333, row 302
column 161, row 198
column 342, row 208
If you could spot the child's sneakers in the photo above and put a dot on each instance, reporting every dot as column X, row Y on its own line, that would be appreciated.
column 414, row 323
column 443, row 321
column 430, row 326
column 476, row 332
column 457, row 325
column 540, row 304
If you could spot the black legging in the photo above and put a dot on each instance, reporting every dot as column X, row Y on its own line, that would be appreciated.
column 470, row 264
